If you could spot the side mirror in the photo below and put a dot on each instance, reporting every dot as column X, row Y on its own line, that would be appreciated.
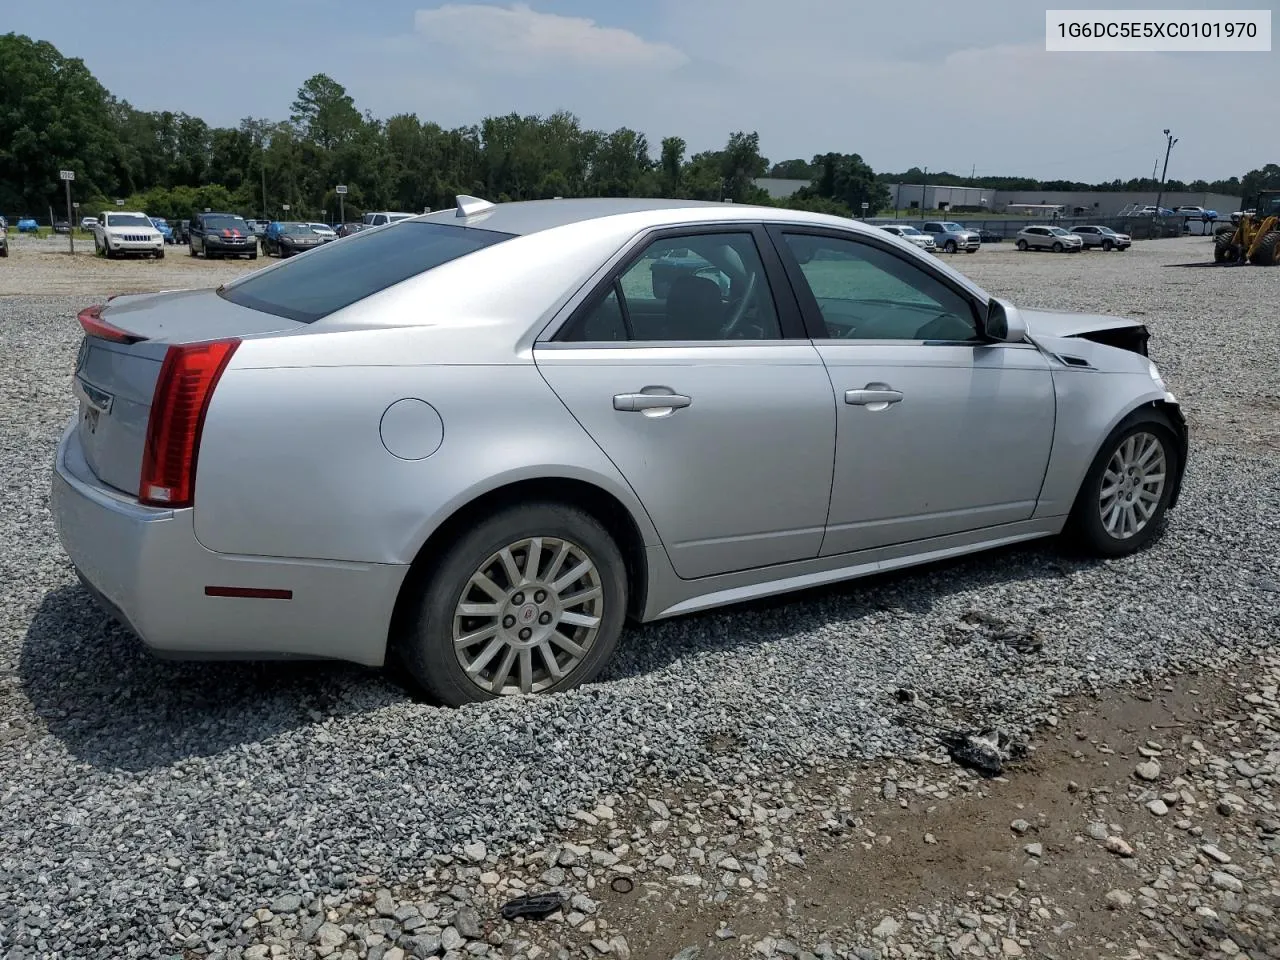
column 1004, row 322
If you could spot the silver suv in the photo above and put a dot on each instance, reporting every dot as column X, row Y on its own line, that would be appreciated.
column 952, row 237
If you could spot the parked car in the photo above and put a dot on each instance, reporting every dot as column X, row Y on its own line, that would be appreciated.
column 88, row 223
column 120, row 233
column 4, row 238
column 922, row 240
column 1198, row 213
column 1104, row 237
column 258, row 227
column 28, row 225
column 1049, row 238
column 989, row 236
column 384, row 217
column 182, row 231
column 324, row 231
column 166, row 231
column 952, row 237
column 221, row 235
column 487, row 489
column 61, row 226
column 676, row 263
column 284, row 239
column 348, row 229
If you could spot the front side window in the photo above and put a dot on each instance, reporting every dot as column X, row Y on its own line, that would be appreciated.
column 336, row 275
column 683, row 289
column 866, row 293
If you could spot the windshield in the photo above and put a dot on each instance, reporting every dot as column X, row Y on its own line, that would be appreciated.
column 225, row 222
column 127, row 220
column 1058, row 232
column 335, row 275
column 909, row 231
column 1105, row 230
column 953, row 228
column 295, row 229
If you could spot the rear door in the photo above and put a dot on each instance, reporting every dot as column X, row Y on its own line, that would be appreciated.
column 714, row 406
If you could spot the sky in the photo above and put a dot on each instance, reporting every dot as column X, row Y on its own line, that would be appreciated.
column 928, row 83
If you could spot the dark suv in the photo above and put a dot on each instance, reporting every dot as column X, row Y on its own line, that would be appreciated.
column 222, row 235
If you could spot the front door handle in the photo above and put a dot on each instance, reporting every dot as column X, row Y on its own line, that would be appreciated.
column 877, row 395
column 638, row 402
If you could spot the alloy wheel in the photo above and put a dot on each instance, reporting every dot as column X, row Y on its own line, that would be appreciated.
column 1132, row 485
column 528, row 616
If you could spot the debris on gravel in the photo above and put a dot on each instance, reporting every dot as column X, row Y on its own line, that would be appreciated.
column 729, row 762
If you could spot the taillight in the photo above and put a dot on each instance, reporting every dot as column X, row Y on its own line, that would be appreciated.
column 91, row 319
column 187, row 378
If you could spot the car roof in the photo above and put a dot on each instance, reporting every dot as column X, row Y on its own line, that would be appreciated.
column 525, row 217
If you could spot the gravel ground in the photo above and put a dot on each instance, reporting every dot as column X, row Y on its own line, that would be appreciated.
column 151, row 807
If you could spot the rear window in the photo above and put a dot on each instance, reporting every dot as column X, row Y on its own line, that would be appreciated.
column 336, row 275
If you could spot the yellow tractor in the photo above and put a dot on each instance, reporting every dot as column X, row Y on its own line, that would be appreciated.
column 1255, row 237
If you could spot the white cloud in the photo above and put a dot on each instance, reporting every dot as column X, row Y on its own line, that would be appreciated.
column 531, row 37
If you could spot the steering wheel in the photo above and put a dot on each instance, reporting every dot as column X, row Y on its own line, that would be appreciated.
column 738, row 309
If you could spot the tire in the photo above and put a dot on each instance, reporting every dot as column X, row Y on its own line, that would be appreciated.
column 1267, row 253
column 1057, row 247
column 1022, row 245
column 1108, row 246
column 4, row 251
column 949, row 246
column 253, row 256
column 1087, row 526
column 1224, row 250
column 160, row 255
column 426, row 644
column 191, row 249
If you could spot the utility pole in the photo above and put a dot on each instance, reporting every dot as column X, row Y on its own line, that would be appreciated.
column 67, row 176
column 1171, row 140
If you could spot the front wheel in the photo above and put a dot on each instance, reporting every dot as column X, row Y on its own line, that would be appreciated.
column 949, row 246
column 531, row 600
column 1057, row 247
column 1022, row 245
column 1122, row 503
column 1107, row 245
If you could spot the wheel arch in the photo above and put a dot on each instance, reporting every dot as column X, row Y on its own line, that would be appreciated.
column 1173, row 413
column 627, row 531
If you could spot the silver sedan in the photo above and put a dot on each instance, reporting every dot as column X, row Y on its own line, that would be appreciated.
column 481, row 439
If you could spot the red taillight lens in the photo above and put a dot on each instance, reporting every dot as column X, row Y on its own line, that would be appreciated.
column 91, row 319
column 187, row 378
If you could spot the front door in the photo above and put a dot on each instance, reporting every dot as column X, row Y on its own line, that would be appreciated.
column 708, row 397
column 938, row 431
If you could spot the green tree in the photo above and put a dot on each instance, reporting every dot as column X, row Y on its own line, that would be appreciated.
column 53, row 116
column 324, row 113
column 671, row 164
column 1264, row 178
column 792, row 170
column 846, row 177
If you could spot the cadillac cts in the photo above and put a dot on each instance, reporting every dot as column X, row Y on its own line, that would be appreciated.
column 480, row 439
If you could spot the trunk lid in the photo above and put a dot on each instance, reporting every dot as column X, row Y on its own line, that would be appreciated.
column 114, row 382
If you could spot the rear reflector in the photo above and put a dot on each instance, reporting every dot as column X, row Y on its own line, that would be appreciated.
column 257, row 593
column 94, row 326
column 187, row 377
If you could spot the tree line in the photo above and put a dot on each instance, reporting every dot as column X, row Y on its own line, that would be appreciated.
column 55, row 115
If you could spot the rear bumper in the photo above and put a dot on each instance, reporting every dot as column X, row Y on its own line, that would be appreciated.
column 147, row 569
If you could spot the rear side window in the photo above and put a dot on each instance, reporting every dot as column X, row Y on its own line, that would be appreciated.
column 336, row 275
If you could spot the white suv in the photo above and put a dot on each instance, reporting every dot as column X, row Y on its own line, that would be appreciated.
column 118, row 233
column 378, row 219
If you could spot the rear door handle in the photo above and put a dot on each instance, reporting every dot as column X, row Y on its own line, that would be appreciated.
column 636, row 402
column 873, row 394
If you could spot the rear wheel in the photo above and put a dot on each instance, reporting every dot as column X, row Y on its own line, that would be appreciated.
column 531, row 600
column 1224, row 249
column 1267, row 252
column 1122, row 503
column 1022, row 245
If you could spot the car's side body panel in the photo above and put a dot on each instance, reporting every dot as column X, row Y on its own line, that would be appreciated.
column 315, row 479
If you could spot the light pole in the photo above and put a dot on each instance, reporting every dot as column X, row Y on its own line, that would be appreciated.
column 1171, row 140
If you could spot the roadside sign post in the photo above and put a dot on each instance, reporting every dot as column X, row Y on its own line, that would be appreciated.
column 341, row 191
column 67, row 176
column 865, row 205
